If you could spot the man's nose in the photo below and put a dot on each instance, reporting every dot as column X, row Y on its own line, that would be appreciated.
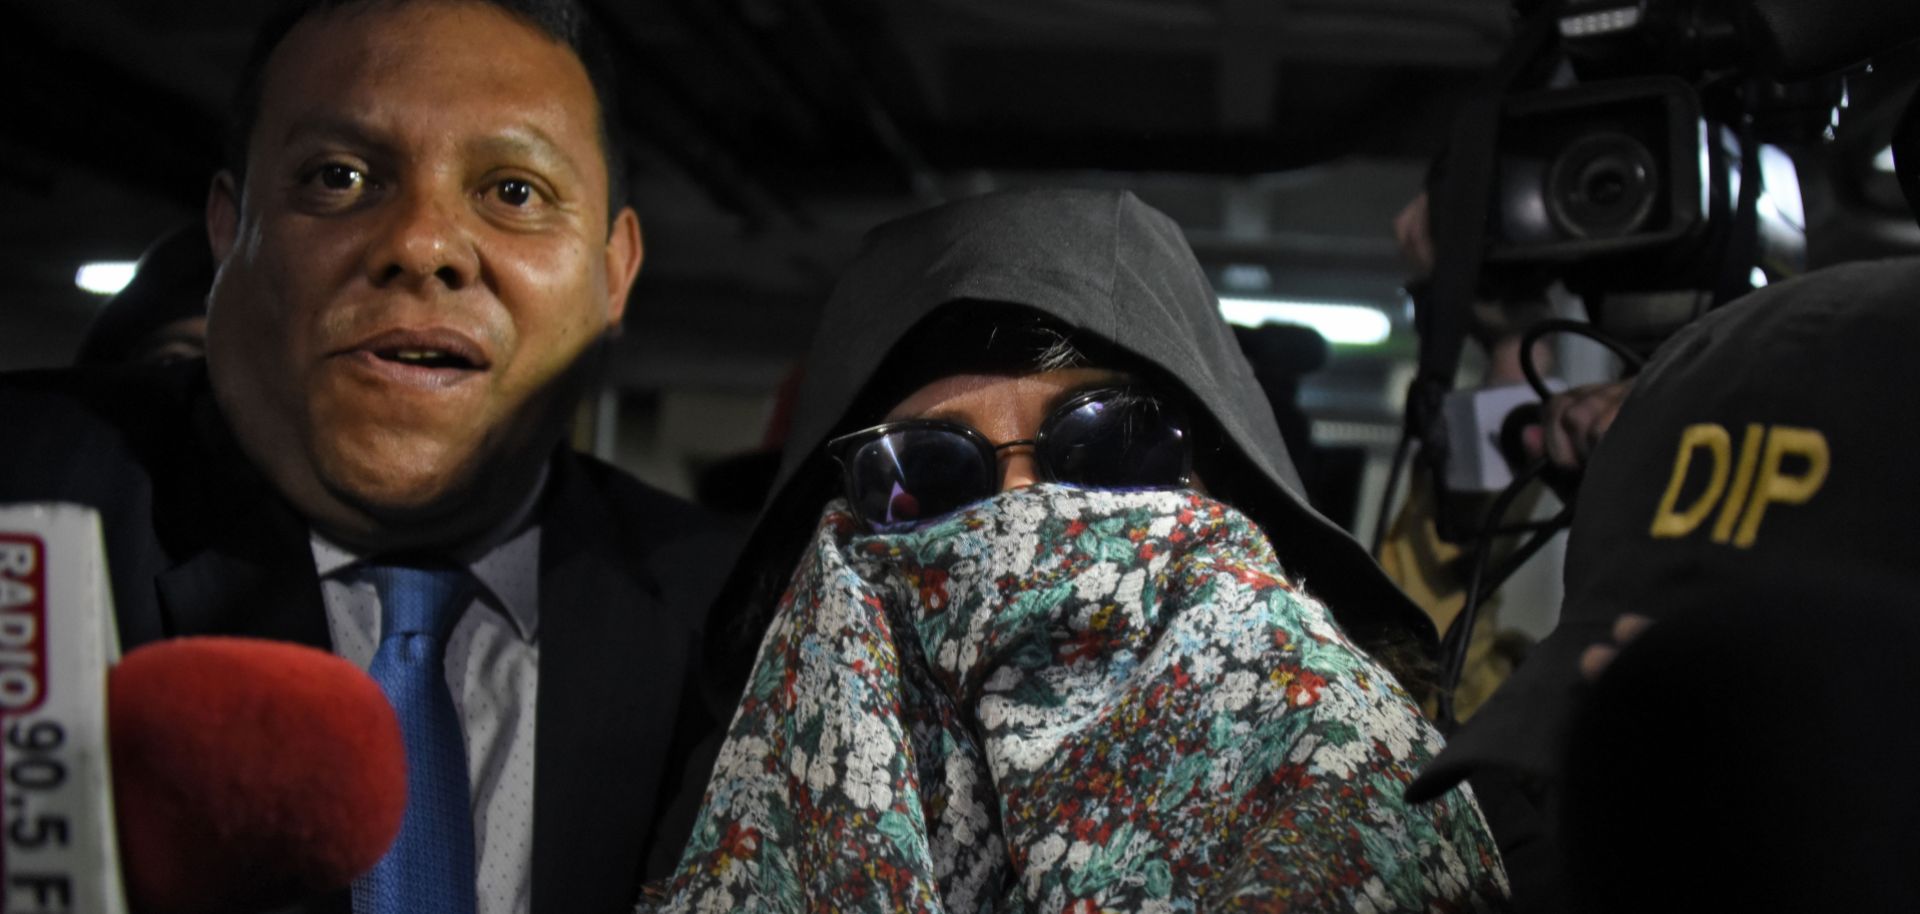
column 424, row 240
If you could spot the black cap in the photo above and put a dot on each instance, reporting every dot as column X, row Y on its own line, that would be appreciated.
column 1769, row 446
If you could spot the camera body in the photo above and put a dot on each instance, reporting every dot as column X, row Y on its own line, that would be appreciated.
column 1625, row 182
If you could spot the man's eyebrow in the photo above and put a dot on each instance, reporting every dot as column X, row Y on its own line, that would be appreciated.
column 345, row 131
column 528, row 143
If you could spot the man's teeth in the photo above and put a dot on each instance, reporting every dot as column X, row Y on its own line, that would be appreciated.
column 426, row 358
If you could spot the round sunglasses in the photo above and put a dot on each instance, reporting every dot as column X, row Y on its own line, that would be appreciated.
column 901, row 473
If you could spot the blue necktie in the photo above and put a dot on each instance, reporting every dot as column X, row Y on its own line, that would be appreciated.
column 429, row 869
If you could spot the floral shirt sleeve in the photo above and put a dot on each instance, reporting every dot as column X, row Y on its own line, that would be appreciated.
column 1073, row 701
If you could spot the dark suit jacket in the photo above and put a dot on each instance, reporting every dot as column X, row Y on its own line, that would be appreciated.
column 199, row 543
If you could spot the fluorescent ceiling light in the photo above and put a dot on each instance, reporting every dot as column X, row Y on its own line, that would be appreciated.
column 1358, row 325
column 1587, row 25
column 1884, row 161
column 104, row 277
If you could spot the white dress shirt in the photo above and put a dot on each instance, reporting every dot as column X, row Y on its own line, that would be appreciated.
column 492, row 668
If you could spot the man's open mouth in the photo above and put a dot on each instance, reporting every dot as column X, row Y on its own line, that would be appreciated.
column 432, row 349
column 427, row 358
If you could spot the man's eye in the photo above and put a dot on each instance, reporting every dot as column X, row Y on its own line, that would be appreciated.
column 340, row 177
column 514, row 193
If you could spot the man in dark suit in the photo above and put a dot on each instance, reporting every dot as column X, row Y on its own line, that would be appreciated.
column 422, row 245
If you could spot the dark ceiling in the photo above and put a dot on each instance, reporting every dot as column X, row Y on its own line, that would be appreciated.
column 769, row 134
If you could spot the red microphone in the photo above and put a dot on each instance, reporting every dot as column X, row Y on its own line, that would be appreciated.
column 248, row 774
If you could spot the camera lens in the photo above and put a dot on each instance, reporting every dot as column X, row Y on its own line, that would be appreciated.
column 1602, row 186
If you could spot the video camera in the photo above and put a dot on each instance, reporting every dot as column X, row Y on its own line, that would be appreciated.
column 1642, row 154
column 1660, row 161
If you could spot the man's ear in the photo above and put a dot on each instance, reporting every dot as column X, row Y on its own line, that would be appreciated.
column 624, row 253
column 223, row 215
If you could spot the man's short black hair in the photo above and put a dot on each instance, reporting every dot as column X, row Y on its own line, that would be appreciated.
column 564, row 21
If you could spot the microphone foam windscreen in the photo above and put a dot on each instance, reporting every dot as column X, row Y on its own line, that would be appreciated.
column 248, row 774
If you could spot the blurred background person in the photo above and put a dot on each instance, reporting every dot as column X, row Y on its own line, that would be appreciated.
column 161, row 315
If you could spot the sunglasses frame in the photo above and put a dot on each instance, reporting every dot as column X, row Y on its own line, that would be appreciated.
column 841, row 447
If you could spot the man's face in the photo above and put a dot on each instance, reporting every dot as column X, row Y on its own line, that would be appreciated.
column 421, row 255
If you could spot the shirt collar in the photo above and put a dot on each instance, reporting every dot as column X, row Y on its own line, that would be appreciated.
column 506, row 562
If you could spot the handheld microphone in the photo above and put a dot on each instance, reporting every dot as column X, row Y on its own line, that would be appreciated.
column 248, row 774
column 244, row 775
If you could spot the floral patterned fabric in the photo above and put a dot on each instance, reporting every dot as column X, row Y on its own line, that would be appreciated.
column 1067, row 700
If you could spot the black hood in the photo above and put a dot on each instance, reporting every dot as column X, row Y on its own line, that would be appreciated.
column 1101, row 263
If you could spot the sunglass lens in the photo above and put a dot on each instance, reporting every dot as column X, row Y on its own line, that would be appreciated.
column 915, row 474
column 1121, row 442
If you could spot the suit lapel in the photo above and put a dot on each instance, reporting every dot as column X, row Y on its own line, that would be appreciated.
column 245, row 565
column 219, row 592
column 612, row 661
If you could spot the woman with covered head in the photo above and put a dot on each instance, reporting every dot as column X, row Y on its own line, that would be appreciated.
column 1046, row 624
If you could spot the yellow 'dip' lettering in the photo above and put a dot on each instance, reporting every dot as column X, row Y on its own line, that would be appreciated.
column 1669, row 523
column 1742, row 482
column 1805, row 443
